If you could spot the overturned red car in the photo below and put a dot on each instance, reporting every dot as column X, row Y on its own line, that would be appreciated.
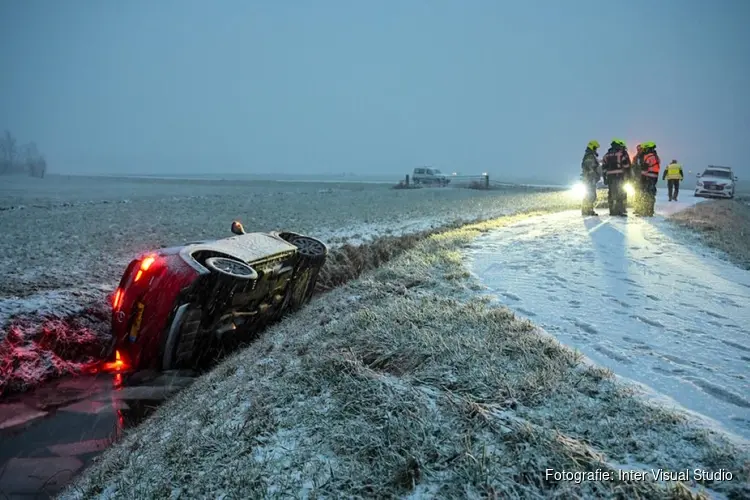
column 175, row 304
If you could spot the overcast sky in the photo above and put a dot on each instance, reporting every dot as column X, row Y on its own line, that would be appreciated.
column 318, row 86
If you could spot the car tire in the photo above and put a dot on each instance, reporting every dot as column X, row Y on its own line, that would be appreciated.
column 313, row 254
column 312, row 250
column 182, row 340
column 232, row 268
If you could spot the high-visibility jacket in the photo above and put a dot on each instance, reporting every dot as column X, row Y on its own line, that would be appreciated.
column 590, row 168
column 616, row 161
column 651, row 161
column 673, row 172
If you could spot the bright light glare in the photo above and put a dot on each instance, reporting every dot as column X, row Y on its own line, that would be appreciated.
column 578, row 191
column 629, row 189
column 118, row 365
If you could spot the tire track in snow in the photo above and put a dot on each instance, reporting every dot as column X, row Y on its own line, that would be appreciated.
column 632, row 298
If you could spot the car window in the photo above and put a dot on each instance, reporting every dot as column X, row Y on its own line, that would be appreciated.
column 436, row 171
column 718, row 173
column 418, row 170
column 429, row 171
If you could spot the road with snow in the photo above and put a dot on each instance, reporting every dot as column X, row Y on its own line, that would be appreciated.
column 630, row 295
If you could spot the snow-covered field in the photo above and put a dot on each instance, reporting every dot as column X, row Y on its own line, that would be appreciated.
column 73, row 235
column 632, row 297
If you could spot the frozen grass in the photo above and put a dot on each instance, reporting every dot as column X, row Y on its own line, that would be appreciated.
column 38, row 347
column 66, row 233
column 721, row 224
column 407, row 383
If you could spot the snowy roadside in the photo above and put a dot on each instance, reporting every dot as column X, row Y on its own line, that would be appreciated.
column 407, row 382
column 720, row 224
column 630, row 295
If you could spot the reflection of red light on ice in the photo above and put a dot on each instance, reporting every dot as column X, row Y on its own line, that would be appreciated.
column 118, row 365
column 118, row 380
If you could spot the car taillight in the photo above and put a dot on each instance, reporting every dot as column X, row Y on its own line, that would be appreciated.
column 117, row 299
column 145, row 265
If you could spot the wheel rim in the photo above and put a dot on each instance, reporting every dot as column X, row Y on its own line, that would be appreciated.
column 309, row 247
column 232, row 267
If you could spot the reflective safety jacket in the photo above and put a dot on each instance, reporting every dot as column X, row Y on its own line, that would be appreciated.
column 590, row 166
column 673, row 172
column 616, row 162
column 651, row 164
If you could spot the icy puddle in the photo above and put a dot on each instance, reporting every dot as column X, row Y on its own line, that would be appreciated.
column 49, row 435
column 631, row 298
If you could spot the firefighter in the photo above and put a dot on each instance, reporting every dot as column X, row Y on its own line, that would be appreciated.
column 651, row 164
column 673, row 174
column 636, row 171
column 590, row 173
column 616, row 167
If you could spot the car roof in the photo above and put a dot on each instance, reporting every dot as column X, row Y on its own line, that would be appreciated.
column 717, row 167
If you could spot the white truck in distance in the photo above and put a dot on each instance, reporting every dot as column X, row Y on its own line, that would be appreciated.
column 716, row 181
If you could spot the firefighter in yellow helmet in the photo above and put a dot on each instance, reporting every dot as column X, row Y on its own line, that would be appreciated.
column 673, row 174
column 616, row 169
column 590, row 174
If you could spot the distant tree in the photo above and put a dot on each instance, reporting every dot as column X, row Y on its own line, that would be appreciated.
column 8, row 152
column 23, row 159
column 39, row 167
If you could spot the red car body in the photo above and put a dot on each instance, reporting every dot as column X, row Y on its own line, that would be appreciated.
column 173, row 303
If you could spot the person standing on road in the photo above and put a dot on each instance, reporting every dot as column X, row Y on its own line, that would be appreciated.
column 616, row 167
column 636, row 168
column 673, row 174
column 649, row 178
column 590, row 174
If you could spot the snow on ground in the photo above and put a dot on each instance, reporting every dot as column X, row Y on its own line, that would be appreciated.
column 630, row 296
column 63, row 233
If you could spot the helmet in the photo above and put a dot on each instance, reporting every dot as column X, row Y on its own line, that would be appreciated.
column 593, row 144
column 618, row 142
column 649, row 145
column 674, row 161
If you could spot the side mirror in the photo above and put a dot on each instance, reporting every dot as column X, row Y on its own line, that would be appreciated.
column 736, row 178
column 237, row 227
column 698, row 175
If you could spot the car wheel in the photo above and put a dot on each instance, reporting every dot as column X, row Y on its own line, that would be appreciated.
column 182, row 340
column 310, row 248
column 231, row 267
column 313, row 254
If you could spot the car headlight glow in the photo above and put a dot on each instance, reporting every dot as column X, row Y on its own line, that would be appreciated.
column 578, row 191
column 700, row 184
column 629, row 189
